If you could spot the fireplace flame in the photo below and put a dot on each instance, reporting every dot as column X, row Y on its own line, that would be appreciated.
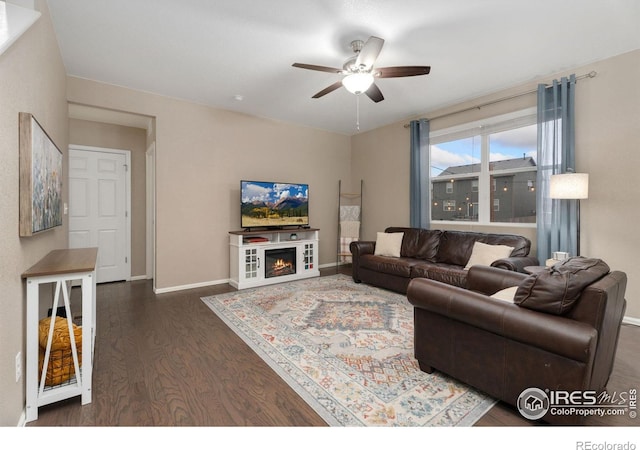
column 281, row 264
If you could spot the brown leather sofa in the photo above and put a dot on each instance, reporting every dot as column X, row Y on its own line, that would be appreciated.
column 504, row 348
column 435, row 254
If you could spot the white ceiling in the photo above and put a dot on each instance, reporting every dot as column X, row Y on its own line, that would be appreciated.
column 209, row 52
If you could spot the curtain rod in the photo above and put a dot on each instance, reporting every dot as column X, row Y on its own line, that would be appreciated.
column 591, row 74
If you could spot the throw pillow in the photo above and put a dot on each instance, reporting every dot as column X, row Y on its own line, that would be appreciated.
column 388, row 244
column 506, row 294
column 485, row 254
column 556, row 289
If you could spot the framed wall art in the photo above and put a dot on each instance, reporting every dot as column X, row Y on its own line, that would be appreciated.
column 40, row 178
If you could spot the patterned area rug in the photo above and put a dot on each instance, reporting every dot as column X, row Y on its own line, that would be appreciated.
column 347, row 349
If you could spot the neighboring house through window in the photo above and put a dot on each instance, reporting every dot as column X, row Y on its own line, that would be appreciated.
column 485, row 171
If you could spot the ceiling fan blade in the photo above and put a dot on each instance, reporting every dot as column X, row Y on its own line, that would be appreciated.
column 401, row 71
column 329, row 89
column 374, row 93
column 369, row 53
column 318, row 68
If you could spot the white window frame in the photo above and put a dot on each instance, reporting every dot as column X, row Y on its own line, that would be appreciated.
column 449, row 187
column 484, row 128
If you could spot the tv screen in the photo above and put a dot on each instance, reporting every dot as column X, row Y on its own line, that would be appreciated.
column 273, row 205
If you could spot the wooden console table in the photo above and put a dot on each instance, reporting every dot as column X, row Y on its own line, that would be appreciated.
column 61, row 267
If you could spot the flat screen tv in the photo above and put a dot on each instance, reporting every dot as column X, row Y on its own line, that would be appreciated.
column 268, row 204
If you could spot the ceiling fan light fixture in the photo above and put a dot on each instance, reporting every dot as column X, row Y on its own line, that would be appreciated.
column 360, row 71
column 357, row 83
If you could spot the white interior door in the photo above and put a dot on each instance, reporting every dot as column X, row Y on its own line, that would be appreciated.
column 99, row 202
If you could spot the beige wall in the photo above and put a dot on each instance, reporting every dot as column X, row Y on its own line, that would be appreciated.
column 202, row 154
column 608, row 148
column 380, row 158
column 607, row 143
column 94, row 134
column 32, row 80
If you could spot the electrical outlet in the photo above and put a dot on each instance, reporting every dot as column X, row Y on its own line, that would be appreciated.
column 18, row 366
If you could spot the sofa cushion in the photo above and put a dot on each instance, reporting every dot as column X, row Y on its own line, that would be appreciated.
column 421, row 270
column 456, row 246
column 418, row 243
column 521, row 245
column 388, row 265
column 556, row 289
column 409, row 240
column 388, row 244
column 428, row 244
column 485, row 254
column 445, row 273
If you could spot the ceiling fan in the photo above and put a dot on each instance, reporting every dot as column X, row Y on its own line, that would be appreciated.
column 360, row 73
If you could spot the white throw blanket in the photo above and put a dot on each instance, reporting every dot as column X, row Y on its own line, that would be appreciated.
column 349, row 231
column 349, row 213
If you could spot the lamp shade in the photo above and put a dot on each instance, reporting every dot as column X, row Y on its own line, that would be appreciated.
column 357, row 83
column 570, row 186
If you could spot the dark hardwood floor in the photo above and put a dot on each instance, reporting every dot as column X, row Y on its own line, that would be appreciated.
column 168, row 360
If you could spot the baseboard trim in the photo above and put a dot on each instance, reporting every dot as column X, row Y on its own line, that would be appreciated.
column 189, row 286
column 139, row 278
column 631, row 321
column 332, row 265
column 23, row 419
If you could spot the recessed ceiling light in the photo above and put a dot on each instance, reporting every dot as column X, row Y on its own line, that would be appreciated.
column 238, row 97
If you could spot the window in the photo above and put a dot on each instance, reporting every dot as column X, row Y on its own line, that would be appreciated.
column 485, row 172
column 449, row 188
column 449, row 205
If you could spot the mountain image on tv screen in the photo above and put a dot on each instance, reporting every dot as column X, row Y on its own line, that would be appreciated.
column 269, row 204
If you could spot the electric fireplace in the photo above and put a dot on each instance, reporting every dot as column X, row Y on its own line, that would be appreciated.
column 260, row 258
column 280, row 262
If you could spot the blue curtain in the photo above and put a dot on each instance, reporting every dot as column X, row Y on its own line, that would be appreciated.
column 557, row 219
column 419, row 176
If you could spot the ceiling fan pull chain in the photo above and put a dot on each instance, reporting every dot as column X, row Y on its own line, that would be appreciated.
column 358, row 112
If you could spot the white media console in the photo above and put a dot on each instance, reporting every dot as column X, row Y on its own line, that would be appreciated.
column 258, row 258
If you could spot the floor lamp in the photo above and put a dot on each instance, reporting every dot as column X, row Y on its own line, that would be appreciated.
column 571, row 186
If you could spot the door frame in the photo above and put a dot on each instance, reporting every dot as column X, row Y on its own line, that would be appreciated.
column 151, row 212
column 127, row 188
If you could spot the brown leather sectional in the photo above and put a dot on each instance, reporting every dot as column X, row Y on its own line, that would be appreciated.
column 435, row 254
column 504, row 348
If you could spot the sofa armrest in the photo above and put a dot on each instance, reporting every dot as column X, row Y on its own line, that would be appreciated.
column 516, row 263
column 362, row 247
column 359, row 248
column 489, row 280
column 556, row 334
